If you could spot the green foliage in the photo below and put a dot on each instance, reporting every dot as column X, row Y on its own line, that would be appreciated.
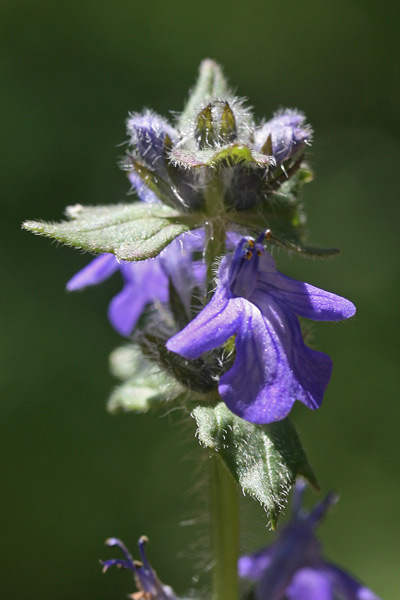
column 264, row 459
column 132, row 231
column 143, row 385
column 164, row 191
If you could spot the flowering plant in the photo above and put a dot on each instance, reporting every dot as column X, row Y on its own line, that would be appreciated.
column 293, row 566
column 212, row 326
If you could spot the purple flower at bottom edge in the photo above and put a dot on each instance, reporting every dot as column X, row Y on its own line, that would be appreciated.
column 258, row 305
column 146, row 281
column 292, row 568
column 148, row 585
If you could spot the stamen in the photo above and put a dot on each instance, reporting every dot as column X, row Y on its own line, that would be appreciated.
column 248, row 255
column 143, row 540
column 116, row 562
column 264, row 236
column 116, row 542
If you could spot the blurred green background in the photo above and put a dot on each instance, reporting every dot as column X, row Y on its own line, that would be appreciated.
column 72, row 475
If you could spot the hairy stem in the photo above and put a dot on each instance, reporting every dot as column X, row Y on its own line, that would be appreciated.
column 224, row 531
column 215, row 227
column 224, row 511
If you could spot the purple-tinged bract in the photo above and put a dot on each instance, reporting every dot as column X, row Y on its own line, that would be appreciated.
column 148, row 132
column 287, row 133
column 292, row 568
column 258, row 305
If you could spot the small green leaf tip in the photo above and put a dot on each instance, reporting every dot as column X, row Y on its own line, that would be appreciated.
column 204, row 128
column 264, row 460
column 228, row 124
column 210, row 84
column 130, row 231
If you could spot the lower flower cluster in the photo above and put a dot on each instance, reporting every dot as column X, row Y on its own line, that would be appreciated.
column 291, row 568
column 148, row 585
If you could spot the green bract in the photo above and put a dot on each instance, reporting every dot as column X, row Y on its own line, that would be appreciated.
column 264, row 461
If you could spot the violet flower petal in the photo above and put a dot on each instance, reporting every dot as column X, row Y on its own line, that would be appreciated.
column 350, row 588
column 212, row 327
column 252, row 566
column 292, row 371
column 295, row 550
column 297, row 499
column 144, row 193
column 302, row 298
column 315, row 516
column 264, row 381
column 148, row 131
column 98, row 270
column 178, row 264
column 145, row 282
column 288, row 132
column 125, row 309
column 310, row 584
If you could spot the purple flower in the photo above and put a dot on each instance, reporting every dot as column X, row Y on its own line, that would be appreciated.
column 258, row 305
column 145, row 194
column 150, row 139
column 292, row 568
column 146, row 281
column 148, row 131
column 148, row 585
column 288, row 134
column 147, row 137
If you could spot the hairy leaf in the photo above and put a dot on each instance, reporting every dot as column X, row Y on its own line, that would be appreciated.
column 130, row 231
column 264, row 459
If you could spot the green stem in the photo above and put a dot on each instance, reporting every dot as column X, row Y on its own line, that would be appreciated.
column 224, row 507
column 224, row 531
column 216, row 226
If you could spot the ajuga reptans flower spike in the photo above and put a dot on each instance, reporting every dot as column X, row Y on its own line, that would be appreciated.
column 209, row 323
